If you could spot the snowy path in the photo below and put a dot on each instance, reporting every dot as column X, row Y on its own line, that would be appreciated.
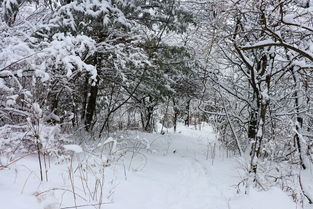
column 180, row 180
column 156, row 179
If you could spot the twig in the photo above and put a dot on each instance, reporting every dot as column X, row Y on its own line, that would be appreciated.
column 79, row 206
column 14, row 161
column 70, row 173
column 26, row 181
column 39, row 158
column 61, row 189
column 17, row 61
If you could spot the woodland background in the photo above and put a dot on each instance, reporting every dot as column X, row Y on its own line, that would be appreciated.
column 79, row 71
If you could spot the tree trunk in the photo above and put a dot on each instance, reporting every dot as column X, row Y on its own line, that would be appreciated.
column 85, row 98
column 149, row 117
column 91, row 106
column 259, row 134
column 176, row 113
column 187, row 120
column 299, row 119
column 252, row 125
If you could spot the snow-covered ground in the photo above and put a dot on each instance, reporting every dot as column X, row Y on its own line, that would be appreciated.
column 182, row 170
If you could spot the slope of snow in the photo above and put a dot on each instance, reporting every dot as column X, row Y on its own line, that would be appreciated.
column 183, row 170
column 274, row 198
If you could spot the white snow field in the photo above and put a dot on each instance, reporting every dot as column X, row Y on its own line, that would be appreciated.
column 178, row 171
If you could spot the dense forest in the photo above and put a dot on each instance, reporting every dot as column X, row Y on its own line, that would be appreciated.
column 83, row 71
